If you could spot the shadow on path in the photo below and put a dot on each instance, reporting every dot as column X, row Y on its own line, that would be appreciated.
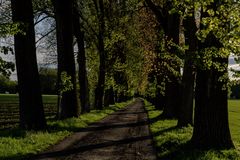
column 89, row 147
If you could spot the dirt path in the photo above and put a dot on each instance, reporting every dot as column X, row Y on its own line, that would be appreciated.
column 123, row 135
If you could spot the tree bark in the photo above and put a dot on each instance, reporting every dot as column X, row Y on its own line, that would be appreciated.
column 69, row 104
column 99, row 91
column 188, row 79
column 31, row 107
column 211, row 127
column 82, row 70
column 172, row 91
column 185, row 117
column 107, row 98
column 171, row 109
column 111, row 96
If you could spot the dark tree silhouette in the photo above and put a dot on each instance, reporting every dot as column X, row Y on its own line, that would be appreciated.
column 31, row 107
column 170, row 24
column 99, row 91
column 68, row 103
column 211, row 127
column 82, row 71
column 188, row 79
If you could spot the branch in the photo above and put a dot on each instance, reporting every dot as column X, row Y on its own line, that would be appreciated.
column 96, row 5
column 43, row 36
column 89, row 26
column 41, row 20
column 158, row 12
column 94, row 35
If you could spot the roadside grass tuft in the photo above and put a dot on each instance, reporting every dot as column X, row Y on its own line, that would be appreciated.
column 17, row 144
column 172, row 143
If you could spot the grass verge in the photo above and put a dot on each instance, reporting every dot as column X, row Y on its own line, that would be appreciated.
column 172, row 143
column 16, row 143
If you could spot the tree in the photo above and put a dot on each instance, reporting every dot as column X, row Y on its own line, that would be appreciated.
column 170, row 23
column 99, row 91
column 68, row 102
column 188, row 78
column 82, row 70
column 31, row 107
column 211, row 127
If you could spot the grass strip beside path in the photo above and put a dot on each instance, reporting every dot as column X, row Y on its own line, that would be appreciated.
column 171, row 142
column 16, row 143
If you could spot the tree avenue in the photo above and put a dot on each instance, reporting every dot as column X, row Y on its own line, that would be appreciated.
column 172, row 53
column 210, row 58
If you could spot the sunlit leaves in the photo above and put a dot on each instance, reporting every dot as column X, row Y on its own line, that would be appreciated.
column 6, row 68
column 7, row 29
column 65, row 83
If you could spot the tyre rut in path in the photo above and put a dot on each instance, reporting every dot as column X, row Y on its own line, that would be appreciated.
column 123, row 135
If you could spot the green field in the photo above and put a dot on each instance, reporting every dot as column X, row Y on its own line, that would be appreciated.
column 9, row 109
column 234, row 119
column 171, row 142
column 13, row 98
column 16, row 144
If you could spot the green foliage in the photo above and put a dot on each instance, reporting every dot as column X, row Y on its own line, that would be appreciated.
column 6, row 68
column 172, row 142
column 65, row 83
column 124, row 58
column 8, row 29
column 6, row 85
column 48, row 80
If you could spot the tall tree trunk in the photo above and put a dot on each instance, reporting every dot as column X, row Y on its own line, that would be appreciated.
column 82, row 70
column 111, row 96
column 99, row 91
column 107, row 98
column 211, row 126
column 188, row 79
column 172, row 91
column 31, row 107
column 171, row 108
column 69, row 104
column 185, row 117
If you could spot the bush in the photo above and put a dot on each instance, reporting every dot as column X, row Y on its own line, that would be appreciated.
column 7, row 86
column 48, row 79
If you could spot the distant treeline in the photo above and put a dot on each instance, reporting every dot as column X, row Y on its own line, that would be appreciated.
column 48, row 79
